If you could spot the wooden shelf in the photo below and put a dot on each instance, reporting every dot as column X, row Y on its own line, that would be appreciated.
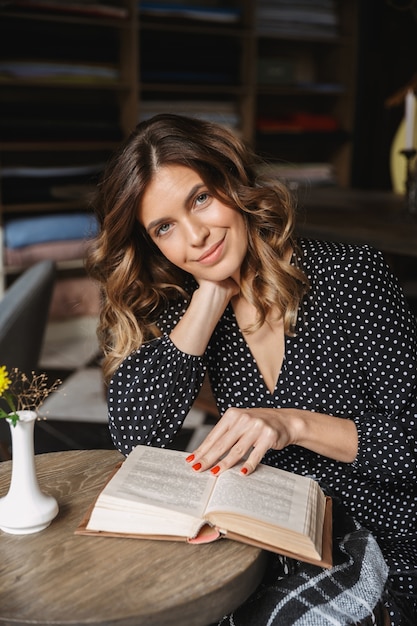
column 66, row 121
column 57, row 146
column 46, row 207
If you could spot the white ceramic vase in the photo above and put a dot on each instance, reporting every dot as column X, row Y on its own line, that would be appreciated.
column 25, row 508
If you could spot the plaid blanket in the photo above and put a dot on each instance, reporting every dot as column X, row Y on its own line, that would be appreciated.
column 299, row 594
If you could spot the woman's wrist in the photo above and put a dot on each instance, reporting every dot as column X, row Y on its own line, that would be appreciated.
column 193, row 331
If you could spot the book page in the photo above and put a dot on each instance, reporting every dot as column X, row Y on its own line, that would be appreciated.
column 159, row 478
column 269, row 495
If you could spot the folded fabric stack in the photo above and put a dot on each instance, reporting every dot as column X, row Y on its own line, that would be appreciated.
column 60, row 237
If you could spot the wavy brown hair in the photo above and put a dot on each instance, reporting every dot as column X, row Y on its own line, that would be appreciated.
column 136, row 279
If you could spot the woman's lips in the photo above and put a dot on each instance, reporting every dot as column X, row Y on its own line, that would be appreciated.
column 212, row 254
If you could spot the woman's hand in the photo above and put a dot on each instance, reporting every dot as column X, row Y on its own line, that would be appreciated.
column 223, row 290
column 239, row 432
column 193, row 331
column 247, row 434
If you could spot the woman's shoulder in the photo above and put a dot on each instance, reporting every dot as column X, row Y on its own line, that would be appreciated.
column 316, row 253
column 338, row 264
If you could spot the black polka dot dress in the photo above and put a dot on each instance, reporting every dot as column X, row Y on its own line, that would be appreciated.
column 354, row 356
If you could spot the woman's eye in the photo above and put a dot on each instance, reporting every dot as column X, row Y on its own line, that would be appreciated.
column 162, row 229
column 201, row 199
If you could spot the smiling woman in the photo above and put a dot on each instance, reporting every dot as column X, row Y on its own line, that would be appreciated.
column 205, row 174
column 309, row 346
column 192, row 228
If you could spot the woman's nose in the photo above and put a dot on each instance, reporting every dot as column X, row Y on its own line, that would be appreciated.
column 197, row 231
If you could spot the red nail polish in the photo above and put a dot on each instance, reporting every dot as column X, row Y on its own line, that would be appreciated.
column 190, row 458
column 196, row 466
column 244, row 470
column 215, row 470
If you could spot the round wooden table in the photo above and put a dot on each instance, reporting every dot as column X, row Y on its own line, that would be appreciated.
column 57, row 577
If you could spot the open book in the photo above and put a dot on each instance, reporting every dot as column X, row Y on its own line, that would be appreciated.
column 155, row 494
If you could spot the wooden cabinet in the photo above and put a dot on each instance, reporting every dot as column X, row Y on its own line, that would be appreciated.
column 68, row 81
column 282, row 77
column 198, row 59
column 305, row 91
column 75, row 80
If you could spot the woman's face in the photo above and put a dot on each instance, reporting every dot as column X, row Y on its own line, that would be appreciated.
column 192, row 229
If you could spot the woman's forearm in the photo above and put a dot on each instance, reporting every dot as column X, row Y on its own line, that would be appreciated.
column 334, row 437
column 192, row 333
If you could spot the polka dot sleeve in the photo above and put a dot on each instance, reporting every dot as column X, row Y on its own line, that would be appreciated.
column 151, row 393
column 380, row 326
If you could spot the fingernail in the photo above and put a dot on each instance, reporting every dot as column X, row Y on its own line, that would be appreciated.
column 215, row 470
column 244, row 470
column 196, row 466
column 190, row 458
